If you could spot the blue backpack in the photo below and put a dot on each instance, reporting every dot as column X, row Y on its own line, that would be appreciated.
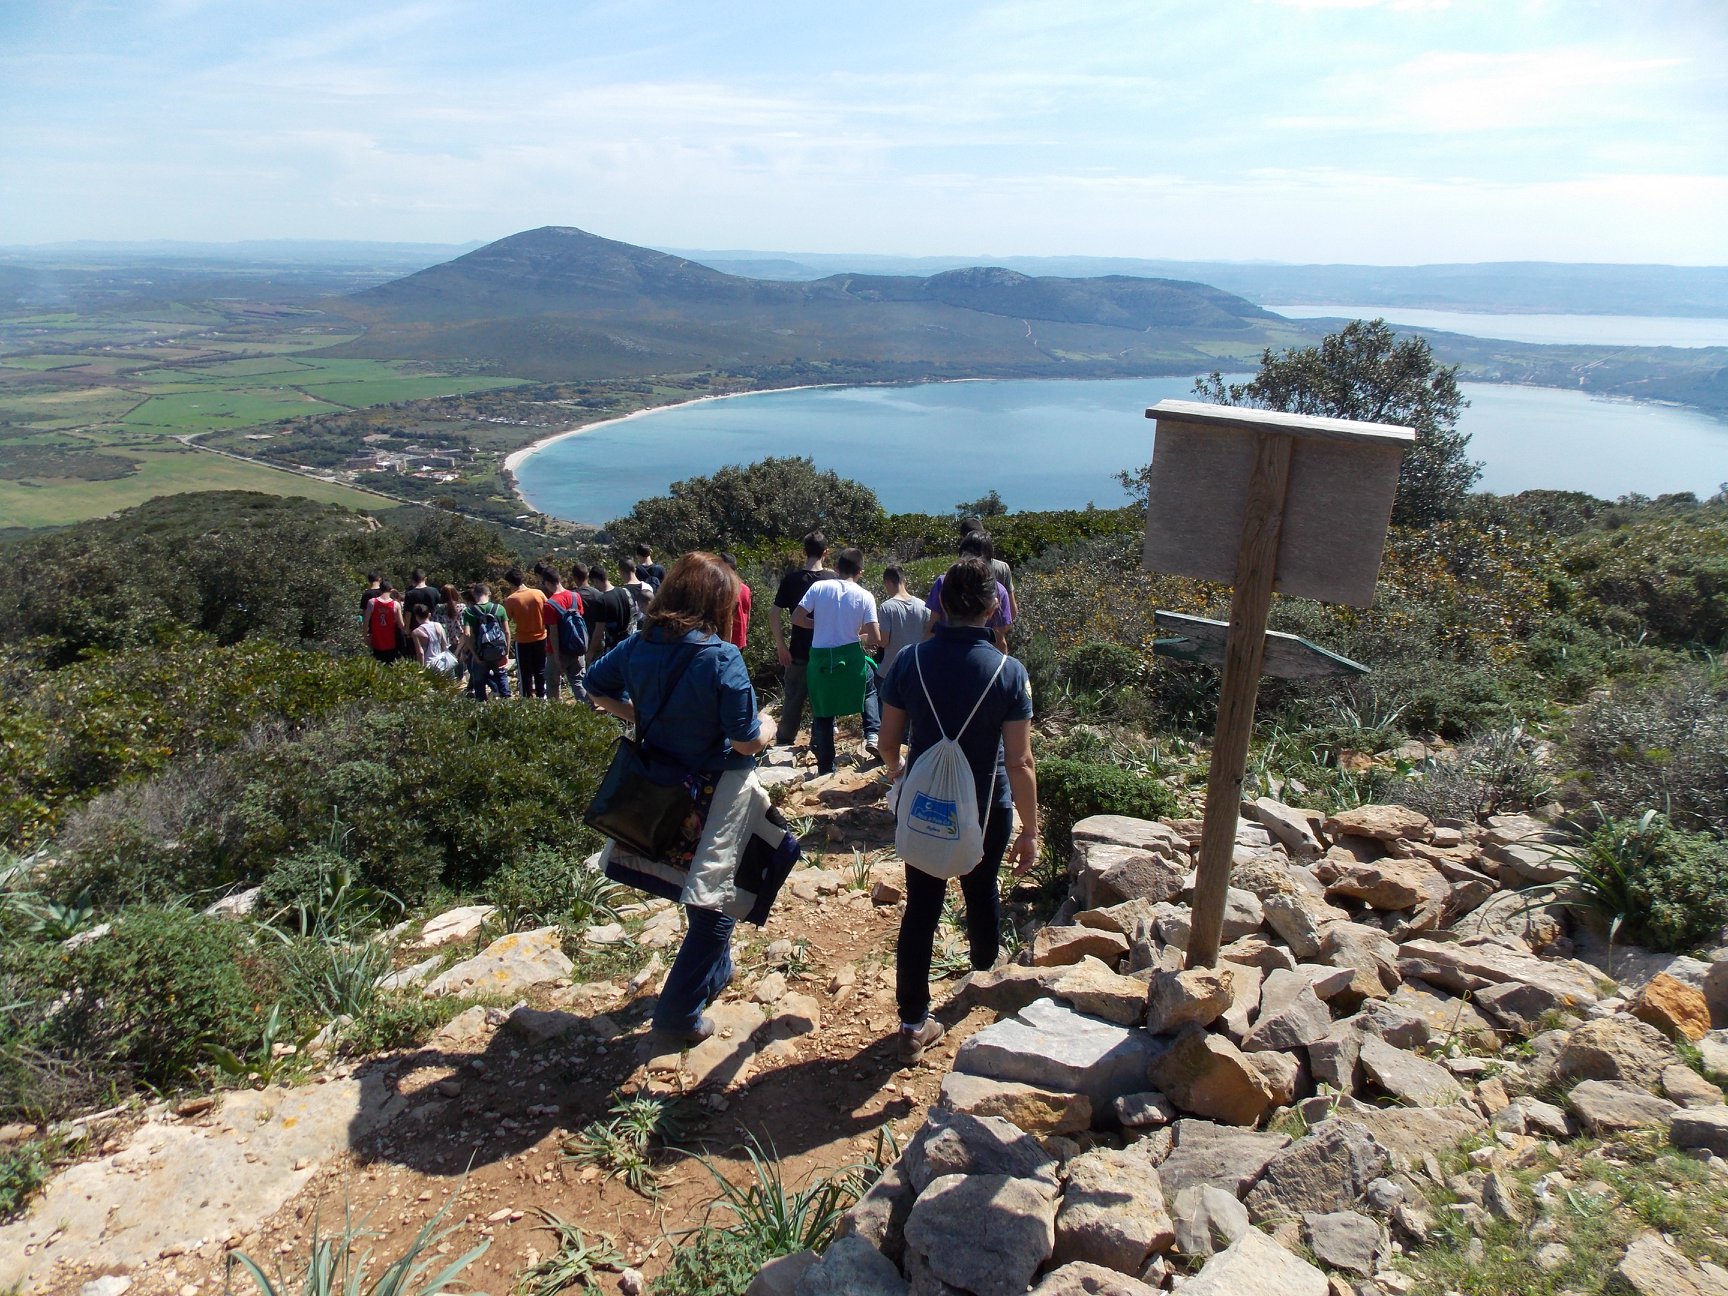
column 572, row 628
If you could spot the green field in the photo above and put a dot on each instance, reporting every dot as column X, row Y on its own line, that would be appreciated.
column 134, row 384
column 167, row 471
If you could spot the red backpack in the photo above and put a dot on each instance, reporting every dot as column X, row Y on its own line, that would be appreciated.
column 381, row 623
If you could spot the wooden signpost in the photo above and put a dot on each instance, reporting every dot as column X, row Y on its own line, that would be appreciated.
column 1266, row 502
column 1288, row 656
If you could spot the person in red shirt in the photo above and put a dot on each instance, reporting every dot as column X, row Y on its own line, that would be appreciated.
column 741, row 617
column 384, row 628
column 560, row 669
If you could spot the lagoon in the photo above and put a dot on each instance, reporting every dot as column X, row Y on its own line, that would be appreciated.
column 1057, row 443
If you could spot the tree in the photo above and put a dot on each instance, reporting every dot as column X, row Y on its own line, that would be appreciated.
column 1364, row 372
column 772, row 500
column 988, row 505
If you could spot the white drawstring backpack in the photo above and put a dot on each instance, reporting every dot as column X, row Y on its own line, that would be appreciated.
column 937, row 828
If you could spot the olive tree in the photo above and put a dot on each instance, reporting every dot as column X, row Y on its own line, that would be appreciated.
column 774, row 499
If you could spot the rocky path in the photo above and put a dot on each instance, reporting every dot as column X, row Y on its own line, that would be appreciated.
column 476, row 1120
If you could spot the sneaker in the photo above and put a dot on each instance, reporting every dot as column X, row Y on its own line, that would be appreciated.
column 684, row 1039
column 913, row 1042
column 871, row 749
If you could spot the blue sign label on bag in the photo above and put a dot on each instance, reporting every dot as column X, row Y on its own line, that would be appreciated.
column 934, row 818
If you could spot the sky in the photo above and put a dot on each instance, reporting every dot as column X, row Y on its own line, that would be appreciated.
column 1369, row 131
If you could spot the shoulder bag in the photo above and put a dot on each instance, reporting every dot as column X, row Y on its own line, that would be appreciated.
column 644, row 817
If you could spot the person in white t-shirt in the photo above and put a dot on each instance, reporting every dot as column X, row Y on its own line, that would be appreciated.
column 841, row 617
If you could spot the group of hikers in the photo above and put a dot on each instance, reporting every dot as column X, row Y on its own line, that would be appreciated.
column 942, row 705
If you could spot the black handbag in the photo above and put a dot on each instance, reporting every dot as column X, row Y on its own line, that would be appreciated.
column 644, row 817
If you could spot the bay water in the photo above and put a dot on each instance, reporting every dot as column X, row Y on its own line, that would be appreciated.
column 1057, row 443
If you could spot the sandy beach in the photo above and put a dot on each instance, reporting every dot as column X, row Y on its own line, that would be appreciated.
column 516, row 457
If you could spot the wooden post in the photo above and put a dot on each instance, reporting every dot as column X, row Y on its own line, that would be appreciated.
column 1250, row 608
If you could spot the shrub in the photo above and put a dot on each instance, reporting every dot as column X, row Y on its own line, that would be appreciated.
column 1070, row 790
column 1661, row 742
column 1497, row 773
column 1660, row 887
column 774, row 499
column 23, row 1170
column 145, row 999
column 1665, row 578
column 547, row 885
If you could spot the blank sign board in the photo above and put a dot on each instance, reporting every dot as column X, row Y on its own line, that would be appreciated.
column 1343, row 476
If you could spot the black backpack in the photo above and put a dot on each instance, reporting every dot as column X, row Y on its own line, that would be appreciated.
column 491, row 645
column 572, row 628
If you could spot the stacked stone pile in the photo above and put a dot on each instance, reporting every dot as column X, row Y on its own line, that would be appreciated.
column 1130, row 1125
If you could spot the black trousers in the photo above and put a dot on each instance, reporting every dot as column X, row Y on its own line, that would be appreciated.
column 531, row 668
column 924, row 912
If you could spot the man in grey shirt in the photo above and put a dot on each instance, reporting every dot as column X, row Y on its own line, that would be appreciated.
column 903, row 618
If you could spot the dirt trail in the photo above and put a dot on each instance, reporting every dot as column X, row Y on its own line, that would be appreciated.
column 480, row 1114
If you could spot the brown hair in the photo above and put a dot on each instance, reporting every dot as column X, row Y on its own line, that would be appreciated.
column 968, row 590
column 699, row 593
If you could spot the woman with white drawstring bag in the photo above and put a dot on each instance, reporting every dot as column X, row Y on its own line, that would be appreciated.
column 966, row 708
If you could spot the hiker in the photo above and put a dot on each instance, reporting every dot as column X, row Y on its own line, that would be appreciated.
column 527, row 608
column 385, row 632
column 928, row 695
column 794, row 649
column 841, row 617
column 904, row 619
column 1004, row 573
column 431, row 644
column 485, row 643
column 616, row 610
column 685, row 689
column 631, row 582
column 419, row 593
column 578, row 583
column 741, row 618
column 648, row 571
column 449, row 614
column 566, row 635
column 977, row 545
column 368, row 594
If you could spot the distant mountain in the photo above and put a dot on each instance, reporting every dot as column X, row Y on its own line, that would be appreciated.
column 560, row 303
column 1504, row 286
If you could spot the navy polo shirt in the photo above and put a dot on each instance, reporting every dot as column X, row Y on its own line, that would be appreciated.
column 957, row 663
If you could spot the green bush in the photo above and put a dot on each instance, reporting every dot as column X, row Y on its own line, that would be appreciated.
column 1664, row 888
column 440, row 792
column 1660, row 742
column 548, row 884
column 114, row 716
column 1071, row 790
column 143, row 1000
column 23, row 1170
column 1663, row 578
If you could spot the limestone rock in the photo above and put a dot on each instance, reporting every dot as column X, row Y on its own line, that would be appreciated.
column 1381, row 822
column 468, row 1028
column 1391, row 884
column 1704, row 1127
column 794, row 1014
column 1219, row 1155
column 1120, row 918
column 1407, row 1077
column 1293, row 828
column 1616, row 1048
column 510, row 966
column 1037, row 1111
column 951, row 1143
column 1245, row 983
column 779, row 1277
column 1144, row 1110
column 1059, row 946
column 1685, row 1086
column 723, row 1058
column 1327, row 1170
column 1447, row 1016
column 1673, row 1008
column 1093, row 988
column 242, row 904
column 1190, row 997
column 1081, row 1279
column 1054, row 1047
column 1476, row 963
column 851, row 1267
column 1372, row 958
column 1715, row 989
column 1713, row 1049
column 1120, row 830
column 879, row 1216
column 985, row 1233
column 1516, row 1007
column 1410, row 1133
column 1652, row 1266
column 1281, row 1073
column 1255, row 950
column 1291, row 1014
column 1105, row 874
column 1345, row 1240
column 1207, row 1219
column 1112, row 1211
column 1209, row 1076
column 537, row 1026
column 1255, row 1265
column 1007, row 989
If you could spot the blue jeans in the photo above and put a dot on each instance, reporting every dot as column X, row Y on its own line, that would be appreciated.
column 699, row 973
column 872, row 708
column 481, row 677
